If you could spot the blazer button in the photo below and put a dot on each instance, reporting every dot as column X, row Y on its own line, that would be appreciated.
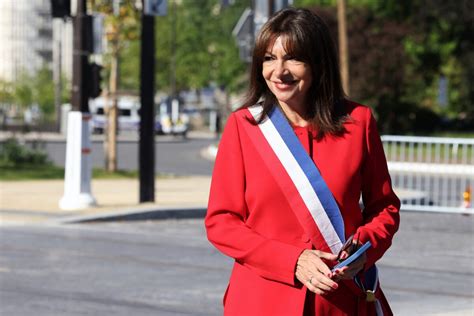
column 305, row 238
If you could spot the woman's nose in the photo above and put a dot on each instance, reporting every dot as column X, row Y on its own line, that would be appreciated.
column 280, row 69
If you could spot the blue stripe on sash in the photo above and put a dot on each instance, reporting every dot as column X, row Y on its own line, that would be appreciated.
column 309, row 168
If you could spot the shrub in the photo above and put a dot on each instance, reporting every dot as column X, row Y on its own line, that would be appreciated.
column 13, row 153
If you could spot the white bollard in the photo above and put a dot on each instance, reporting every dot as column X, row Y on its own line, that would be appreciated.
column 77, row 177
column 212, row 121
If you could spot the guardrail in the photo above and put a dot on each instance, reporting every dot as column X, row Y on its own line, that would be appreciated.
column 432, row 173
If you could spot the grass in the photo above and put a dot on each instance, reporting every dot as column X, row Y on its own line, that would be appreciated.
column 453, row 134
column 440, row 153
column 119, row 174
column 11, row 172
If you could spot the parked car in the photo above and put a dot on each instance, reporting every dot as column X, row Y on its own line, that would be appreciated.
column 167, row 126
column 171, row 117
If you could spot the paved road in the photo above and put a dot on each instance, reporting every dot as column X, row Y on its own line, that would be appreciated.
column 155, row 268
column 168, row 268
column 174, row 155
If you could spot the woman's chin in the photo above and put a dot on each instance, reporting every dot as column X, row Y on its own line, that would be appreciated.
column 288, row 100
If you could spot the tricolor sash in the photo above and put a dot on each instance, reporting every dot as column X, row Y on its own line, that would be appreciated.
column 302, row 184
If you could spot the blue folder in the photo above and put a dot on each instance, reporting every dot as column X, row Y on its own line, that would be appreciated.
column 353, row 257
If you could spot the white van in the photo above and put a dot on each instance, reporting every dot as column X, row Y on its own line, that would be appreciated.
column 128, row 116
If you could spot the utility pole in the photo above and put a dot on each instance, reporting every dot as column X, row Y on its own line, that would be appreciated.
column 147, row 110
column 343, row 50
column 80, row 63
column 57, row 60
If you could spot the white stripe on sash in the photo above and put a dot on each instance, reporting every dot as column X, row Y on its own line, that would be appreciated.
column 300, row 180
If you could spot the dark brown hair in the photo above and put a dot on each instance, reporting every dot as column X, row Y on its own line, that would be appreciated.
column 307, row 38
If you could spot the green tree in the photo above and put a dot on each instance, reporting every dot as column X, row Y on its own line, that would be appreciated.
column 43, row 92
column 23, row 90
column 29, row 89
column 6, row 95
column 205, row 50
column 440, row 45
column 122, row 32
column 399, row 50
column 229, row 71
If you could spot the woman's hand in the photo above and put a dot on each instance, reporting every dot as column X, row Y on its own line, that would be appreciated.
column 314, row 273
column 350, row 271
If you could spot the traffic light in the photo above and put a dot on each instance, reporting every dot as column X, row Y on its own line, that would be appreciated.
column 60, row 8
column 95, row 80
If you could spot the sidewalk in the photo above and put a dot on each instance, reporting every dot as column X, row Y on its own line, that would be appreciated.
column 24, row 202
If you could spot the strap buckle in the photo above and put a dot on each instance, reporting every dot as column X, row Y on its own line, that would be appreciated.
column 370, row 296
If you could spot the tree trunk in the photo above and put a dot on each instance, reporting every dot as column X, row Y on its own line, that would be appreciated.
column 343, row 51
column 112, row 115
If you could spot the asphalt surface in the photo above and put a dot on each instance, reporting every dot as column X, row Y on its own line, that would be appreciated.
column 168, row 268
column 173, row 155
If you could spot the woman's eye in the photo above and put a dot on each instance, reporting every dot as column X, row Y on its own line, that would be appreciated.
column 267, row 58
column 295, row 61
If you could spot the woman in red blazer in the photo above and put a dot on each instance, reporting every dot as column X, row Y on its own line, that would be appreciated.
column 279, row 269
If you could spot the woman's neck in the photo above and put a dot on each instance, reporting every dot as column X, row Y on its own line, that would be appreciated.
column 296, row 115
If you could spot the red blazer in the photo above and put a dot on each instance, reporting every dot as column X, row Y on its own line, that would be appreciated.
column 249, row 219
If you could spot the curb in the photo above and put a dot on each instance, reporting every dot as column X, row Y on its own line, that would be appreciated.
column 137, row 215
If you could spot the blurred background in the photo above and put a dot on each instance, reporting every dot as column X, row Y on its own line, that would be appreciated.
column 412, row 62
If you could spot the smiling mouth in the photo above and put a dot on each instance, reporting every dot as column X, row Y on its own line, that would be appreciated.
column 284, row 85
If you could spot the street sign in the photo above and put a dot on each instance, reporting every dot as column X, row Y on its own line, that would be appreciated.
column 97, row 33
column 155, row 7
column 250, row 22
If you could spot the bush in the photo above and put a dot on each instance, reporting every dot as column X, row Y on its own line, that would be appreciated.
column 13, row 153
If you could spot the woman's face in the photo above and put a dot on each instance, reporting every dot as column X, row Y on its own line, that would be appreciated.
column 288, row 78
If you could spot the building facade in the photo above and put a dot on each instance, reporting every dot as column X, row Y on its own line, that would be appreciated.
column 26, row 38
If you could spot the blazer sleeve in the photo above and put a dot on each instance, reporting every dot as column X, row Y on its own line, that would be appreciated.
column 381, row 205
column 227, row 212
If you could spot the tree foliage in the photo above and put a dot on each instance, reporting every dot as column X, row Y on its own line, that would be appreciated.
column 205, row 50
column 23, row 90
column 122, row 31
column 6, row 94
column 33, row 89
column 400, row 50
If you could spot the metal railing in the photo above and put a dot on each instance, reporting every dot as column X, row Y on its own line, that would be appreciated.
column 432, row 173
